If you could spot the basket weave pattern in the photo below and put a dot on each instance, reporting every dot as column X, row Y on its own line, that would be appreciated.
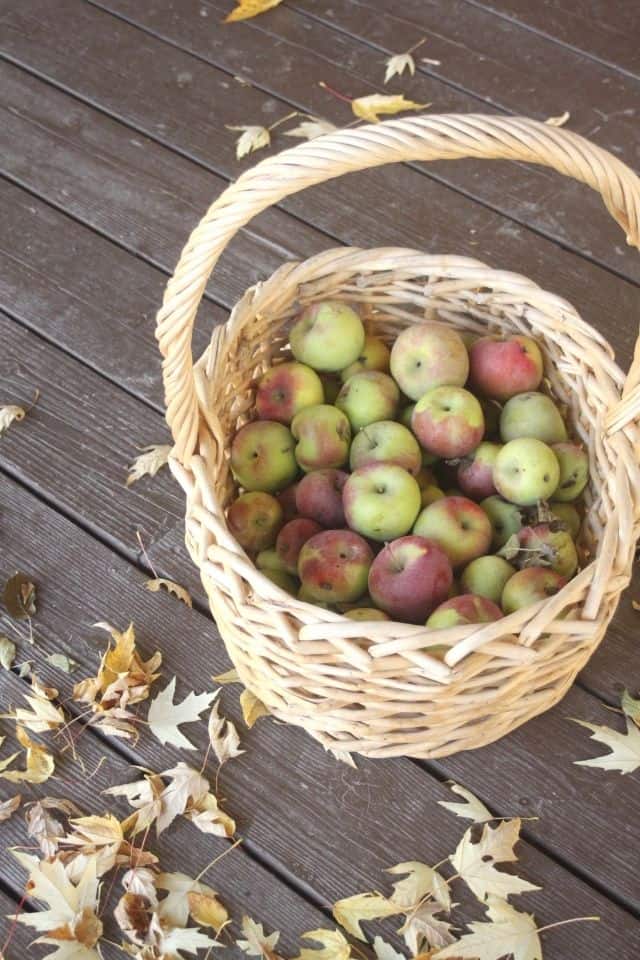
column 371, row 688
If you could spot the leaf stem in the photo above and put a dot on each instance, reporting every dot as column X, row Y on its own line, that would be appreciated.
column 416, row 45
column 335, row 93
column 563, row 923
column 289, row 116
column 218, row 858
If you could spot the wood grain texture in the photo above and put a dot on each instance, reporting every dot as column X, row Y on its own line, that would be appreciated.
column 296, row 805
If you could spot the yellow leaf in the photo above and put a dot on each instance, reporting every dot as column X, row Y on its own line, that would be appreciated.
column 223, row 736
column 7, row 652
column 351, row 912
column 256, row 943
column 252, row 708
column 231, row 676
column 310, row 129
column 250, row 8
column 39, row 762
column 153, row 457
column 334, row 946
column 171, row 587
column 207, row 911
column 252, row 138
column 397, row 65
column 368, row 108
column 97, row 831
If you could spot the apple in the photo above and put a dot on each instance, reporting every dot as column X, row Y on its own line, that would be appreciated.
column 532, row 415
column 526, row 470
column 319, row 496
column 286, row 389
column 448, row 422
column 530, row 586
column 287, row 500
column 427, row 355
column 486, row 577
column 574, row 471
column 269, row 560
column 501, row 367
column 367, row 397
column 374, row 356
column 459, row 526
column 567, row 515
column 303, row 594
column 381, row 501
column 254, row 520
column 475, row 473
column 327, row 336
column 542, row 545
column 283, row 580
column 386, row 442
column 262, row 456
column 467, row 608
column 409, row 578
column 292, row 538
column 333, row 566
column 505, row 519
column 366, row 613
column 323, row 437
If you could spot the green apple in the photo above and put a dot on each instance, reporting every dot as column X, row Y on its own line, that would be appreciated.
column 269, row 560
column 262, row 456
column 574, row 471
column 381, row 501
column 283, row 580
column 286, row 389
column 368, row 397
column 530, row 586
column 427, row 355
column 486, row 577
column 505, row 519
column 448, row 422
column 532, row 415
column 526, row 470
column 385, row 442
column 323, row 437
column 327, row 336
column 374, row 356
column 366, row 613
column 568, row 515
column 542, row 545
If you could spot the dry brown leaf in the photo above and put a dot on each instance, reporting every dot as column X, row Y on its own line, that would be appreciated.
column 152, row 459
column 7, row 653
column 39, row 762
column 133, row 916
column 165, row 716
column 333, row 946
column 9, row 415
column 44, row 827
column 350, row 913
column 310, row 129
column 252, row 708
column 247, row 9
column 9, row 807
column 475, row 862
column 368, row 108
column 171, row 587
column 19, row 597
column 223, row 736
column 252, row 138
column 558, row 121
column 255, row 941
column 142, row 881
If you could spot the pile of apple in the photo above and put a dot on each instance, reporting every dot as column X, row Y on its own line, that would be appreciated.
column 431, row 483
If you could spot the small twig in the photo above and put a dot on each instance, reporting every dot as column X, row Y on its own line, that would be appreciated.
column 146, row 555
column 334, row 93
column 416, row 45
column 218, row 859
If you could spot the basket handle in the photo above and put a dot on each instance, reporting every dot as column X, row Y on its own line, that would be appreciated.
column 444, row 137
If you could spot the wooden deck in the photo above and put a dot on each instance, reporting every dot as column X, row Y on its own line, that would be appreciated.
column 112, row 144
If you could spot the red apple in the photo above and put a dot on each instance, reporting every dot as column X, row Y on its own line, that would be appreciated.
column 286, row 389
column 475, row 473
column 501, row 367
column 287, row 500
column 409, row 578
column 319, row 496
column 254, row 520
column 333, row 566
column 448, row 421
column 459, row 526
column 530, row 586
column 467, row 608
column 292, row 538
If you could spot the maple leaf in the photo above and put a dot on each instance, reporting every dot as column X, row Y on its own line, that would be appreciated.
column 152, row 459
column 185, row 785
column 252, row 138
column 71, row 919
column 9, row 807
column 145, row 796
column 508, row 933
column 230, row 676
column 44, row 827
column 207, row 911
column 349, row 913
column 7, row 652
column 630, row 707
column 558, row 121
column 310, row 129
column 368, row 108
column 397, row 64
column 43, row 715
column 165, row 716
column 142, row 881
column 174, row 909
column 133, row 916
column 256, row 943
column 191, row 940
column 171, row 587
column 9, row 415
column 475, row 862
column 473, row 809
column 422, row 927
column 334, row 946
column 39, row 762
column 625, row 747
column 223, row 736
column 384, row 950
column 421, row 881
column 250, row 8
column 252, row 708
column 206, row 815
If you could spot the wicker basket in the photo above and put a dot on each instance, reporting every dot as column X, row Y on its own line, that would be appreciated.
column 369, row 687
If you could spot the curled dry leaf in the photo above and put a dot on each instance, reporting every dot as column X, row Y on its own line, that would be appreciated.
column 9, row 807
column 171, row 587
column 397, row 64
column 152, row 459
column 368, row 108
column 133, row 916
column 174, row 908
column 252, row 708
column 558, row 121
column 223, row 736
column 250, row 8
column 207, row 911
column 350, row 913
column 142, row 881
column 46, row 829
column 252, row 138
column 343, row 756
column 333, row 946
column 475, row 862
column 19, row 597
column 507, row 933
column 255, row 942
column 423, row 929
column 39, row 764
column 7, row 653
column 62, row 662
column 310, row 129
column 165, row 716
column 473, row 809
column 231, row 676
column 624, row 747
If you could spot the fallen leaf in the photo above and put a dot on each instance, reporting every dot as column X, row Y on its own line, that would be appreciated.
column 39, row 762
column 223, row 736
column 171, row 944
column 207, row 911
column 635, row 604
column 231, row 676
column 133, row 916
column 256, row 943
column 421, row 881
column 350, row 913
column 475, row 862
column 310, row 129
column 558, row 121
column 423, row 928
column 397, row 64
column 19, row 597
column 252, row 708
column 630, row 707
column 508, row 933
column 152, row 459
column 171, row 587
column 9, row 807
column 165, row 716
column 334, row 946
column 343, row 756
column 368, row 108
column 510, row 549
column 145, row 796
column 252, row 138
column 625, row 747
column 384, row 950
column 185, row 786
column 62, row 662
column 142, row 881
column 250, row 8
column 42, row 715
column 473, row 809
column 206, row 815
column 7, row 652
column 174, row 908
column 45, row 828
column 8, row 415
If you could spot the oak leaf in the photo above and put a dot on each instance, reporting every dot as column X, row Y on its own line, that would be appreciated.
column 475, row 862
column 334, row 946
column 223, row 735
column 252, row 137
column 165, row 716
column 507, row 933
column 252, row 708
column 397, row 64
column 171, row 587
column 250, row 8
column 39, row 764
column 368, row 108
column 152, row 459
column 256, row 942
column 473, row 809
column 350, row 913
column 624, row 747
column 311, row 129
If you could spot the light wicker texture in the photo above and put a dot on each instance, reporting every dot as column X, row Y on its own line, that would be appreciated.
column 372, row 688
